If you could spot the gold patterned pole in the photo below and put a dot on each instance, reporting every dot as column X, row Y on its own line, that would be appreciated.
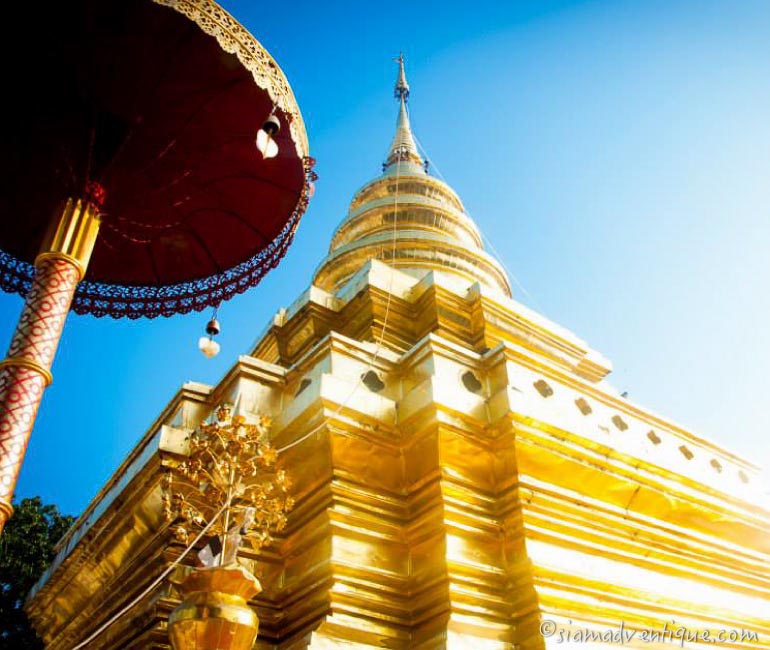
column 26, row 371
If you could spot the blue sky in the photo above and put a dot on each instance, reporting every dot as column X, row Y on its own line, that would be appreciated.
column 616, row 153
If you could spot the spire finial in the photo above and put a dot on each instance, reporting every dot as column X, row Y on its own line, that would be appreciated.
column 402, row 87
column 403, row 147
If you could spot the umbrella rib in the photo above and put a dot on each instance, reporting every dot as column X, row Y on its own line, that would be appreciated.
column 208, row 187
column 205, row 249
column 214, row 94
column 161, row 78
column 250, row 226
column 153, row 264
column 258, row 179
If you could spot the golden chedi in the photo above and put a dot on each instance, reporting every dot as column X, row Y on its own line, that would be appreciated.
column 465, row 475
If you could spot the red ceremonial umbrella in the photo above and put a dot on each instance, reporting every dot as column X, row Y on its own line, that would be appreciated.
column 155, row 162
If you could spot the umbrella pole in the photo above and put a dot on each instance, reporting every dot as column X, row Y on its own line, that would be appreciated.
column 26, row 371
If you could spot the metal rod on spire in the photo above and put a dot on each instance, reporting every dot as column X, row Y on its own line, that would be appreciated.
column 402, row 87
column 403, row 147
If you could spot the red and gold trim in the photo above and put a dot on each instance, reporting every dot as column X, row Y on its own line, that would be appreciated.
column 26, row 372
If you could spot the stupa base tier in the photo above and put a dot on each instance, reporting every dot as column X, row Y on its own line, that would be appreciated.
column 469, row 483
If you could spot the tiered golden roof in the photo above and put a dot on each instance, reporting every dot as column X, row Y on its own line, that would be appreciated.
column 409, row 219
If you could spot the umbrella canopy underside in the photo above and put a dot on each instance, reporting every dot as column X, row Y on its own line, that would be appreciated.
column 161, row 106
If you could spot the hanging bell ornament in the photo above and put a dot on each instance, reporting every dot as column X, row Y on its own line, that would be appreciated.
column 266, row 137
column 213, row 328
column 206, row 344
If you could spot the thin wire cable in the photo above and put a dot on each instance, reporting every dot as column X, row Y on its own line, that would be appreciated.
column 155, row 583
column 486, row 239
column 370, row 365
column 372, row 361
column 378, row 347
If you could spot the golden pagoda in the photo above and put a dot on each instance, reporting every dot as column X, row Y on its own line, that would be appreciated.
column 464, row 475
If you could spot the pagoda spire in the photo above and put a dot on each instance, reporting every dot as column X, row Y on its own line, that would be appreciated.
column 402, row 87
column 410, row 220
column 403, row 146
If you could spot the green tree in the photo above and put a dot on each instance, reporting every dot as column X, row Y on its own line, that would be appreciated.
column 26, row 550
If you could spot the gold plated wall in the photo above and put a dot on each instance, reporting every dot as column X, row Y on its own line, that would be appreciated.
column 487, row 480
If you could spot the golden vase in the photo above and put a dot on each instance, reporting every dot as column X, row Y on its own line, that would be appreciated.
column 215, row 614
